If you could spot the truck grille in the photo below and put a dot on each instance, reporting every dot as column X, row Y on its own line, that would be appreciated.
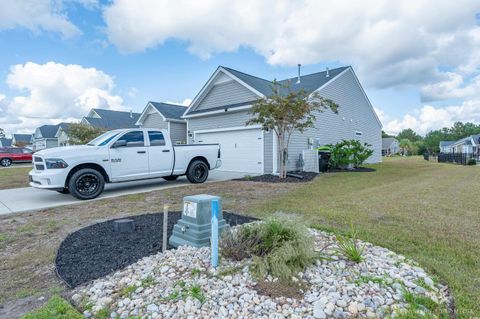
column 38, row 159
column 39, row 167
column 38, row 163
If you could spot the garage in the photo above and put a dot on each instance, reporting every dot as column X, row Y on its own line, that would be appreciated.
column 242, row 150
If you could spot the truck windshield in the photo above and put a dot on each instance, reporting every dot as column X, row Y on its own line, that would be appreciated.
column 103, row 139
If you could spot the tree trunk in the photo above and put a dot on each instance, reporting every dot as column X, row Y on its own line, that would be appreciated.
column 282, row 156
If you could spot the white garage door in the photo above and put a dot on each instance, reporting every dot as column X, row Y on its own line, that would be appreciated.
column 242, row 150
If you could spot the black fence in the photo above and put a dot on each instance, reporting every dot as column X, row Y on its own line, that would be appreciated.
column 459, row 158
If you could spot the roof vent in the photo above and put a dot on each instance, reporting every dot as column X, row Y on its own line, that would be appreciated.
column 298, row 77
column 328, row 74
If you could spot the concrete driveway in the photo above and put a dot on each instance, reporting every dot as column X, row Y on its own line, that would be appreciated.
column 29, row 198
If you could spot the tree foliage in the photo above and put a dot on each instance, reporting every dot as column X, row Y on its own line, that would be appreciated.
column 409, row 134
column 285, row 112
column 384, row 134
column 82, row 133
column 349, row 152
column 457, row 131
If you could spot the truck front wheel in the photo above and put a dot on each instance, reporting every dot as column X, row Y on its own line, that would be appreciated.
column 86, row 183
column 197, row 172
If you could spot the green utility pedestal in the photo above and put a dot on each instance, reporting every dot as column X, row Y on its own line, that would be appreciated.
column 194, row 228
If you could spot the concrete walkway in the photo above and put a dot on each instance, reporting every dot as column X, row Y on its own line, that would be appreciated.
column 28, row 198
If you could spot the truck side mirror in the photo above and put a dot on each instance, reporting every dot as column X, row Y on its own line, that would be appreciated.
column 120, row 143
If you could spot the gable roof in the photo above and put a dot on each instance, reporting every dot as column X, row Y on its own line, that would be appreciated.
column 23, row 138
column 5, row 142
column 112, row 120
column 48, row 131
column 169, row 111
column 387, row 142
column 263, row 87
column 446, row 143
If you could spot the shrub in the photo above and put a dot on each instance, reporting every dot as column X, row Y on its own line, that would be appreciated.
column 347, row 246
column 472, row 161
column 236, row 244
column 349, row 152
column 284, row 248
column 56, row 308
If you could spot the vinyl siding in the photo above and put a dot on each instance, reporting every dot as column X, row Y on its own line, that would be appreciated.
column 63, row 139
column 178, row 132
column 355, row 114
column 52, row 143
column 154, row 120
column 226, row 93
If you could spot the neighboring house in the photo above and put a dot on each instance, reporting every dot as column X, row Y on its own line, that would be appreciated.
column 467, row 145
column 390, row 146
column 220, row 110
column 44, row 137
column 446, row 146
column 165, row 116
column 111, row 120
column 62, row 134
column 5, row 142
column 22, row 140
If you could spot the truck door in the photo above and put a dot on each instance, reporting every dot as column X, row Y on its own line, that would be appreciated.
column 160, row 154
column 129, row 157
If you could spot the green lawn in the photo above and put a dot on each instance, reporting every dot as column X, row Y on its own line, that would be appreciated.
column 14, row 177
column 427, row 211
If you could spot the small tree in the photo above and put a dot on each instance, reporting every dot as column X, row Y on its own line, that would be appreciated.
column 82, row 133
column 405, row 145
column 285, row 112
column 349, row 152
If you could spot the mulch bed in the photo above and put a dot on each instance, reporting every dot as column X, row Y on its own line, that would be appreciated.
column 356, row 170
column 269, row 178
column 95, row 251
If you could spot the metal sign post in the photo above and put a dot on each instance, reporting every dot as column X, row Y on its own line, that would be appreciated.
column 214, row 239
column 165, row 228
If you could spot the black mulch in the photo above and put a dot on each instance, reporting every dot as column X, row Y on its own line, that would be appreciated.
column 269, row 178
column 355, row 170
column 95, row 251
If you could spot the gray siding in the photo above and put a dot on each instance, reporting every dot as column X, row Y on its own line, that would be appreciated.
column 355, row 114
column 52, row 143
column 178, row 132
column 154, row 120
column 63, row 139
column 226, row 93
column 268, row 151
column 222, row 120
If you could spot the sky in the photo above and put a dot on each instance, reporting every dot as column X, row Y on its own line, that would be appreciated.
column 418, row 61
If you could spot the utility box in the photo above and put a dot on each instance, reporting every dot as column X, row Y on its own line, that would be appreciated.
column 194, row 227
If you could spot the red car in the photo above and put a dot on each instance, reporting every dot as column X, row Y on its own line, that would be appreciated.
column 11, row 155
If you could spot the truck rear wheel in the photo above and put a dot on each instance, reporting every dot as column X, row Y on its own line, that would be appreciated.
column 86, row 183
column 197, row 172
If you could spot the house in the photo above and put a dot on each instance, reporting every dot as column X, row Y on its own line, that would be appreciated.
column 219, row 112
column 62, row 134
column 390, row 146
column 111, row 120
column 468, row 145
column 5, row 142
column 44, row 137
column 165, row 116
column 446, row 147
column 22, row 140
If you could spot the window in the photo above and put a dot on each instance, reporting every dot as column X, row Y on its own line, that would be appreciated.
column 156, row 138
column 133, row 139
column 26, row 151
column 16, row 151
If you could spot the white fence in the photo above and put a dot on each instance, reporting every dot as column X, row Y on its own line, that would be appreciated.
column 310, row 161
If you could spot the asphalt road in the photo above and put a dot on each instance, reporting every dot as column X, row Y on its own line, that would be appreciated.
column 29, row 198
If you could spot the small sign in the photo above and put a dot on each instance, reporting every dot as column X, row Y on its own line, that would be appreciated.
column 190, row 209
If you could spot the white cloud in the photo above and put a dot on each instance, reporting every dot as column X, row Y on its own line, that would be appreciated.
column 185, row 102
column 56, row 92
column 37, row 15
column 454, row 86
column 389, row 42
column 430, row 118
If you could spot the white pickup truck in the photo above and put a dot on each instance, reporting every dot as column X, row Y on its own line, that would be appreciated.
column 119, row 156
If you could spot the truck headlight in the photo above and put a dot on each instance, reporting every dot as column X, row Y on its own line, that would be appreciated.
column 55, row 163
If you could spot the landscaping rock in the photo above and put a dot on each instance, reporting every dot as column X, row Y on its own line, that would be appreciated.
column 335, row 288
